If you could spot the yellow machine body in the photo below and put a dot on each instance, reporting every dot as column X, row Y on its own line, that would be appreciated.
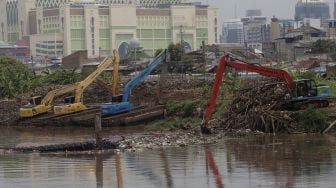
column 26, row 112
column 69, row 108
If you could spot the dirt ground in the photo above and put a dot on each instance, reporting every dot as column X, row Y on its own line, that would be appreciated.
column 146, row 93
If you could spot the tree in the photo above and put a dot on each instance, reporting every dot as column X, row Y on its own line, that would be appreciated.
column 175, row 51
column 323, row 46
column 14, row 77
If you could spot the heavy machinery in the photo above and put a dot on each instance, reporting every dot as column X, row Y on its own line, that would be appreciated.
column 75, row 103
column 303, row 92
column 38, row 106
column 125, row 106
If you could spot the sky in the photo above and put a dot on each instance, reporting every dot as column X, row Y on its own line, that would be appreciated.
column 280, row 8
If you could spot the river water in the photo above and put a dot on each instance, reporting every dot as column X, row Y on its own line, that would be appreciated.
column 262, row 161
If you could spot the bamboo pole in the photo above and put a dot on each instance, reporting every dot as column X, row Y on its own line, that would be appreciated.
column 330, row 126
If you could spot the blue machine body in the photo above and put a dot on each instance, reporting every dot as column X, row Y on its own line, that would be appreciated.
column 108, row 109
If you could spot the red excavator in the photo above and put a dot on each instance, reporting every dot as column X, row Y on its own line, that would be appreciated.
column 304, row 92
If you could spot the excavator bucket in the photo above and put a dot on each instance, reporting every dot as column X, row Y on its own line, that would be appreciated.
column 205, row 130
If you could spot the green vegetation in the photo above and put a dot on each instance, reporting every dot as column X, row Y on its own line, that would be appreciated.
column 323, row 46
column 184, row 114
column 179, row 63
column 174, row 123
column 185, row 108
column 59, row 76
column 313, row 120
column 15, row 78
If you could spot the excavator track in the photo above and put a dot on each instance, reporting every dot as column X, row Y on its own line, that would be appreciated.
column 86, row 118
column 48, row 118
column 309, row 103
column 136, row 115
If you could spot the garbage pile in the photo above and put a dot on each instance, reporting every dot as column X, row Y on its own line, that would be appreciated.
column 259, row 109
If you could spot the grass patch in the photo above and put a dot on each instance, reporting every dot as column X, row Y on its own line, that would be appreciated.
column 185, row 108
column 221, row 108
column 174, row 124
column 332, row 85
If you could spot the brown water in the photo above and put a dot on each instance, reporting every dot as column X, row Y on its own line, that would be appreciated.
column 263, row 161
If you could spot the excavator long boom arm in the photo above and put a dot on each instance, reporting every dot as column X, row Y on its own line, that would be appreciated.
column 81, row 86
column 145, row 72
column 47, row 100
column 228, row 60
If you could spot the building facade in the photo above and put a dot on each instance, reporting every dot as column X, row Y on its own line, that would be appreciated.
column 256, row 31
column 233, row 31
column 317, row 9
column 17, row 52
column 62, row 27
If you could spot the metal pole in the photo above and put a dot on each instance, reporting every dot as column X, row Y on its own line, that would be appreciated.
column 203, row 54
column 99, row 53
column 181, row 33
column 98, row 132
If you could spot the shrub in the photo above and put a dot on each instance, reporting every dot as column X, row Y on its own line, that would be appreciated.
column 313, row 120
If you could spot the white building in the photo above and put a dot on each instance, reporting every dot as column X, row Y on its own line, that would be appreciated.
column 61, row 27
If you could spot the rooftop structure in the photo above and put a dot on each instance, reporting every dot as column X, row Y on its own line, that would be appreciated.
column 253, row 12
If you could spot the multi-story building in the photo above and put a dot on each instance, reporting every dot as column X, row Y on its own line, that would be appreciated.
column 286, row 26
column 331, row 30
column 61, row 27
column 19, row 52
column 275, row 29
column 233, row 31
column 318, row 9
column 156, row 3
column 256, row 31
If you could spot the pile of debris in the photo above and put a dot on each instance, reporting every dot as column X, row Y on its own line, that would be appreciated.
column 170, row 89
column 259, row 109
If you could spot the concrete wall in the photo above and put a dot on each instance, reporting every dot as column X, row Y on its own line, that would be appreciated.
column 122, row 21
column 75, row 60
column 23, row 14
column 3, row 21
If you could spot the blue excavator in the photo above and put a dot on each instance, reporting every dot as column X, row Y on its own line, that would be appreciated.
column 108, row 109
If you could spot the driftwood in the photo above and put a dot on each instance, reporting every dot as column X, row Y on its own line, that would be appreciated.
column 259, row 108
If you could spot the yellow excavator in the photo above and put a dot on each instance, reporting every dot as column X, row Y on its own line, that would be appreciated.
column 37, row 105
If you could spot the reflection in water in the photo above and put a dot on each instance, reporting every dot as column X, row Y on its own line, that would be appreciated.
column 211, row 162
column 144, row 168
column 119, row 171
column 166, row 169
column 99, row 171
column 265, row 161
column 289, row 159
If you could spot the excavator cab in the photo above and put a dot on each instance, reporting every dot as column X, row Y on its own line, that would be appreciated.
column 306, row 93
column 69, row 100
column 34, row 107
column 305, row 89
column 308, row 88
column 34, row 101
